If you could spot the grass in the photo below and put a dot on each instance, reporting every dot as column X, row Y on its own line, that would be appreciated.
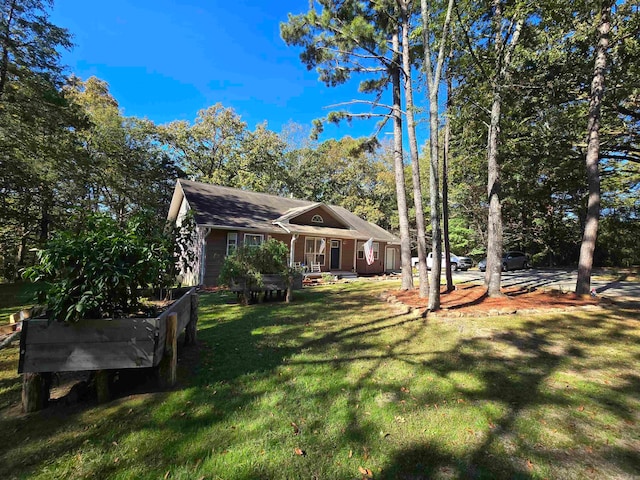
column 14, row 297
column 354, row 383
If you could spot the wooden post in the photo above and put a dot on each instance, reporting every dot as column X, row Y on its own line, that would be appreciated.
column 35, row 391
column 190, row 332
column 289, row 296
column 169, row 360
column 102, row 386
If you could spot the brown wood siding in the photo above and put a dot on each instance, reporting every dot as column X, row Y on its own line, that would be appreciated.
column 376, row 267
column 216, row 251
column 329, row 221
column 284, row 238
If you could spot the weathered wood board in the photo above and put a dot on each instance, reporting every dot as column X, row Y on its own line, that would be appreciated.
column 98, row 344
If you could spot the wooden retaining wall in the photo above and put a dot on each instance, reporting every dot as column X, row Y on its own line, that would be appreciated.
column 104, row 344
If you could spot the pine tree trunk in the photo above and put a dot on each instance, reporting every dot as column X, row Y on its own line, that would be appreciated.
column 433, row 83
column 401, row 196
column 434, row 194
column 423, row 274
column 585, row 263
column 445, row 188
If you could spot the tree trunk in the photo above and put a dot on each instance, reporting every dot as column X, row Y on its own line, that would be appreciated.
column 493, row 275
column 434, row 194
column 445, row 188
column 589, row 237
column 433, row 83
column 4, row 66
column 423, row 274
column 401, row 196
column 503, row 54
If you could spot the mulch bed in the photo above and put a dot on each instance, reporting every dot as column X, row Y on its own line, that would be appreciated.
column 471, row 299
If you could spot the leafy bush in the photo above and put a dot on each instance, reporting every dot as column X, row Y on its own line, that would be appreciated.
column 248, row 263
column 98, row 272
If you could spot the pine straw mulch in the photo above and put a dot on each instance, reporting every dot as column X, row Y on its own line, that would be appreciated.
column 471, row 300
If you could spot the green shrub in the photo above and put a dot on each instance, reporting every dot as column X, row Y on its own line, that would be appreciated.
column 99, row 271
column 247, row 264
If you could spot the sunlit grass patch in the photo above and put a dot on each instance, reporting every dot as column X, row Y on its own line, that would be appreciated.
column 338, row 380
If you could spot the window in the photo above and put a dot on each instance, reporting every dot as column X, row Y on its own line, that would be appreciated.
column 314, row 250
column 376, row 250
column 232, row 242
column 253, row 240
column 317, row 219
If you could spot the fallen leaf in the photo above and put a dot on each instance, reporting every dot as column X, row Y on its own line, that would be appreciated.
column 350, row 453
column 166, row 475
column 116, row 460
column 404, row 389
column 114, row 443
column 581, row 408
column 492, row 425
column 296, row 429
column 366, row 472
column 529, row 464
column 300, row 452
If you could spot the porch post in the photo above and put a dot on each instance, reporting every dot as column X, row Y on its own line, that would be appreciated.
column 355, row 254
column 292, row 257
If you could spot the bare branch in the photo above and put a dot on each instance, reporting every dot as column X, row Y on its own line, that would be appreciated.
column 366, row 102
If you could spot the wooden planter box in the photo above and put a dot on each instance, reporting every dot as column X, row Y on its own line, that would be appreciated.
column 271, row 282
column 104, row 344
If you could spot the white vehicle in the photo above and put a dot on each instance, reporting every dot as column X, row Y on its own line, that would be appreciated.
column 457, row 263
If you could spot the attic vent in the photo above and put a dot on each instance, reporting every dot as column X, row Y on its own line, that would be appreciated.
column 317, row 219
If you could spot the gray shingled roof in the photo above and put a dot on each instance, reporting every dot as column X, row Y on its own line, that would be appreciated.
column 232, row 208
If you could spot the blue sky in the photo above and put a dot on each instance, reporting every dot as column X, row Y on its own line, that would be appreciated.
column 165, row 60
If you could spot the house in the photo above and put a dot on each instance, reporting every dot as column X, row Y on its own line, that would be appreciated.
column 316, row 233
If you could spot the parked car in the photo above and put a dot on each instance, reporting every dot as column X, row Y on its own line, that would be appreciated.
column 457, row 263
column 510, row 261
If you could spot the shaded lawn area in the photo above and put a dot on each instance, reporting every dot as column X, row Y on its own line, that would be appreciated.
column 353, row 383
column 14, row 297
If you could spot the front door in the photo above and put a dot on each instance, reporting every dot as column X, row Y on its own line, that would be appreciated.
column 335, row 254
column 390, row 259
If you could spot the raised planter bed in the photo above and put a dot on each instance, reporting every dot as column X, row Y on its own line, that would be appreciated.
column 271, row 283
column 103, row 344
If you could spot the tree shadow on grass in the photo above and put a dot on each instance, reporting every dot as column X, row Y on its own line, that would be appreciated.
column 269, row 353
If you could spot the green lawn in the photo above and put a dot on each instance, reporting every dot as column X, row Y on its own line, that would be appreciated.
column 354, row 383
column 14, row 297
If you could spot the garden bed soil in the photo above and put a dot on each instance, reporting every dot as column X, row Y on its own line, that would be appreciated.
column 471, row 299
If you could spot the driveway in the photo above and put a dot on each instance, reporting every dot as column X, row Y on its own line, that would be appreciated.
column 561, row 279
